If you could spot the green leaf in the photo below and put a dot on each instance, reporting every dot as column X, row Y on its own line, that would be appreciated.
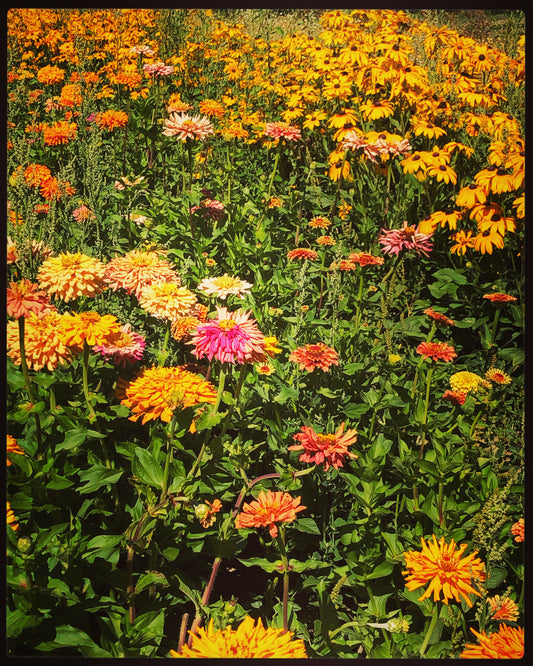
column 104, row 546
column 76, row 437
column 496, row 576
column 308, row 565
column 147, row 468
column 306, row 525
column 354, row 411
column 262, row 562
column 381, row 570
column 67, row 636
column 150, row 578
column 98, row 476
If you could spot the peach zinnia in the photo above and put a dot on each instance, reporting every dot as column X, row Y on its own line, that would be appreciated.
column 128, row 347
column 167, row 300
column 24, row 297
column 518, row 530
column 506, row 643
column 232, row 337
column 312, row 356
column 268, row 509
column 70, row 275
column 43, row 344
column 327, row 449
column 138, row 269
column 445, row 569
column 158, row 391
column 249, row 641
column 224, row 286
column 183, row 127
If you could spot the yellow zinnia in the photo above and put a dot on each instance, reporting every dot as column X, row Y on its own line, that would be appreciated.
column 70, row 275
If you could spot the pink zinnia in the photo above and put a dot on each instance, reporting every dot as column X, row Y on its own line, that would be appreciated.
column 327, row 449
column 314, row 356
column 281, row 130
column 230, row 338
column 394, row 241
column 127, row 348
column 438, row 351
column 24, row 297
column 158, row 69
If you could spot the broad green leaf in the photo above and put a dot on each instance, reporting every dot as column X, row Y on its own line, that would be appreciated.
column 147, row 468
column 306, row 525
column 150, row 578
column 67, row 636
column 98, row 476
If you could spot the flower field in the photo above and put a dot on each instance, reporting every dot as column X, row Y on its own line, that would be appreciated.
column 265, row 357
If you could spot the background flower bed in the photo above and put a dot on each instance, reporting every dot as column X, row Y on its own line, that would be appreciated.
column 291, row 178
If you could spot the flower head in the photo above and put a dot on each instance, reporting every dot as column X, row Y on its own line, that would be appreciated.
column 248, row 641
column 167, row 300
column 518, row 530
column 506, row 643
column 281, row 130
column 88, row 327
column 267, row 510
column 11, row 518
column 158, row 69
column 70, row 275
column 128, row 347
column 312, row 356
column 438, row 351
column 445, row 569
column 393, row 241
column 138, row 269
column 365, row 259
column 24, row 297
column 13, row 448
column 302, row 253
column 319, row 222
column 502, row 609
column 465, row 382
column 183, row 127
column 500, row 298
column 43, row 343
column 223, row 286
column 206, row 512
column 156, row 392
column 111, row 120
column 438, row 317
column 320, row 448
column 497, row 376
column 231, row 337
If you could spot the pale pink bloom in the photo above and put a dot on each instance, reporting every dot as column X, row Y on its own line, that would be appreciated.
column 184, row 127
column 281, row 130
column 158, row 69
column 142, row 50
column 230, row 338
column 83, row 213
column 393, row 241
column 224, row 286
column 127, row 348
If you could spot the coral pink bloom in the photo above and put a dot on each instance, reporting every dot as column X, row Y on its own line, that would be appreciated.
column 393, row 241
column 24, row 297
column 231, row 338
column 281, row 130
column 327, row 449
column 310, row 357
column 438, row 351
column 267, row 510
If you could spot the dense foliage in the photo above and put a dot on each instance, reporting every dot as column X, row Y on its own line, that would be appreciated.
column 264, row 337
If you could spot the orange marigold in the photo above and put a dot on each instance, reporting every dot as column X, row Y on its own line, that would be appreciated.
column 158, row 391
column 59, row 133
column 70, row 275
column 506, row 643
column 445, row 569
column 111, row 120
column 269, row 508
column 50, row 75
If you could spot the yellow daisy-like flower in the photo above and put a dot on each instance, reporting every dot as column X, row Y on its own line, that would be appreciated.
column 445, row 569
column 11, row 518
column 248, row 641
column 167, row 300
column 13, row 447
column 465, row 382
column 88, row 327
column 498, row 376
column 158, row 391
column 70, row 275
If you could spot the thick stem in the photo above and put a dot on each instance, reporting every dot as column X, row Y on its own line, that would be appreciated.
column 129, row 591
column 85, row 370
column 169, row 456
column 431, row 627
column 442, row 520
column 280, row 538
column 428, row 387
column 205, row 598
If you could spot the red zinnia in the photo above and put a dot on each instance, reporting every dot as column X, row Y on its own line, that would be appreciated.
column 438, row 351
column 500, row 298
column 327, row 449
column 302, row 253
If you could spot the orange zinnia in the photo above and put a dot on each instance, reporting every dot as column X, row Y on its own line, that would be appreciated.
column 506, row 643
column 59, row 133
column 70, row 275
column 267, row 510
column 24, row 297
column 13, row 447
column 89, row 327
column 314, row 356
column 503, row 608
column 445, row 569
column 111, row 120
column 158, row 391
column 327, row 449
column 302, row 253
column 43, row 345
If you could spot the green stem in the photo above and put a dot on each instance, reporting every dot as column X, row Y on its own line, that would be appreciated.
column 85, row 370
column 169, row 456
column 431, row 627
column 442, row 519
column 355, row 623
column 240, row 382
column 27, row 382
column 428, row 387
column 274, row 170
column 494, row 327
column 280, row 538
column 221, row 382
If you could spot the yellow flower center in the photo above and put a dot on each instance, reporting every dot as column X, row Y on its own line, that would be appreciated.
column 227, row 324
column 70, row 260
column 325, row 441
column 447, row 563
column 225, row 281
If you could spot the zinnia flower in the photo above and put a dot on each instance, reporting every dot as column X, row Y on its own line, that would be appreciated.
column 327, row 449
column 184, row 127
column 111, row 120
column 24, row 297
column 456, row 398
column 393, row 241
column 438, row 351
column 500, row 298
column 518, row 530
column 158, row 69
column 88, row 327
column 502, row 609
column 70, row 275
column 365, row 259
column 439, row 317
column 248, row 641
column 267, row 510
column 313, row 356
column 281, row 130
column 138, row 269
column 158, row 391
column 128, row 347
column 302, row 253
column 224, row 286
column 167, row 300
column 232, row 337
column 465, row 382
column 43, row 344
column 59, row 133
column 206, row 512
column 319, row 222
column 445, row 569
column 506, row 643
column 13, row 447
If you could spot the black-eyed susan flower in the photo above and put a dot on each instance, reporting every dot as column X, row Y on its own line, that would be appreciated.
column 485, row 241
